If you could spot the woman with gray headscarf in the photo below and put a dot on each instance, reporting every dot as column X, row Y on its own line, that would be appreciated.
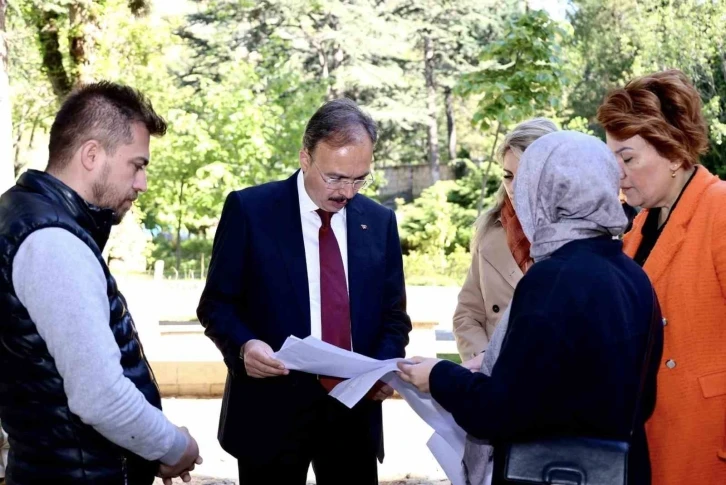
column 571, row 358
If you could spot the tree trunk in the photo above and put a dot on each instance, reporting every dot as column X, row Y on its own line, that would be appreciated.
column 19, row 164
column 19, row 126
column 433, row 129
column 81, row 42
column 336, row 57
column 485, row 178
column 6, row 118
column 47, row 28
column 324, row 71
column 179, row 220
column 450, row 122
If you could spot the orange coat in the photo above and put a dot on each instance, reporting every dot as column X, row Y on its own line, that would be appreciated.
column 687, row 433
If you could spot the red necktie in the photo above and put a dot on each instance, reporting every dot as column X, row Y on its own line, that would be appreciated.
column 334, row 303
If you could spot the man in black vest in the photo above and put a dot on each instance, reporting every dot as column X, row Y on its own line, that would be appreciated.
column 77, row 396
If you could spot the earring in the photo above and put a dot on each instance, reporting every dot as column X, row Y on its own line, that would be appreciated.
column 673, row 174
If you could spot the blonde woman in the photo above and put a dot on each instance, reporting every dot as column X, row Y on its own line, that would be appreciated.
column 500, row 252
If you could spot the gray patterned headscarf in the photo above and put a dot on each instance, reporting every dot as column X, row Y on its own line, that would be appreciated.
column 566, row 188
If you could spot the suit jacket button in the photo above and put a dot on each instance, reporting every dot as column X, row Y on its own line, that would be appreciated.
column 495, row 308
column 665, row 321
column 670, row 363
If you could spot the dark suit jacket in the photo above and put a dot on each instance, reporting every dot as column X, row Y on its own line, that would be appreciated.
column 571, row 360
column 257, row 288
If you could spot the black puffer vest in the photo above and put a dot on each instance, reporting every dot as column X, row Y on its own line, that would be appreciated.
column 48, row 443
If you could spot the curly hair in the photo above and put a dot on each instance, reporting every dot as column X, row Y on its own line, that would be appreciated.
column 665, row 109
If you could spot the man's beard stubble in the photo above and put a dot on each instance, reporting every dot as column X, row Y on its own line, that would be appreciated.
column 106, row 196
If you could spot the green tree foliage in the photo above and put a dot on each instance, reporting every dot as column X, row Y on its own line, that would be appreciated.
column 691, row 35
column 449, row 36
column 522, row 74
column 436, row 229
column 615, row 41
column 367, row 50
column 238, row 79
column 216, row 142
column 32, row 96
column 305, row 52
column 6, row 128
column 602, row 52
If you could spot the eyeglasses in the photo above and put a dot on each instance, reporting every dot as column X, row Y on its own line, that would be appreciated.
column 336, row 183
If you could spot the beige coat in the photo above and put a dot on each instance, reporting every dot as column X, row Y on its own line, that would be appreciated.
column 486, row 293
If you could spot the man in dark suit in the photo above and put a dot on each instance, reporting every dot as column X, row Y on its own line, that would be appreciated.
column 306, row 256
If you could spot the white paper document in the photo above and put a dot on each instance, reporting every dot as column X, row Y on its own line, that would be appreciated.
column 353, row 390
column 449, row 459
column 316, row 357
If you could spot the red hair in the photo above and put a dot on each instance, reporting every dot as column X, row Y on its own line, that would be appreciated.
column 665, row 109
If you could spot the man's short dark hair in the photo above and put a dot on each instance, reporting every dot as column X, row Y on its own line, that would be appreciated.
column 338, row 123
column 102, row 111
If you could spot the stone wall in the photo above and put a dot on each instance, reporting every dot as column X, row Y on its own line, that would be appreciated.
column 408, row 181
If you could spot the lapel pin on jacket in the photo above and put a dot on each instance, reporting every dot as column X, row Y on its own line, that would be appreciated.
column 363, row 226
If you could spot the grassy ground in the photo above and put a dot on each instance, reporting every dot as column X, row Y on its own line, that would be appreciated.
column 452, row 357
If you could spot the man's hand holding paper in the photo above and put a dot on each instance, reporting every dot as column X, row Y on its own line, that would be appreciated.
column 259, row 360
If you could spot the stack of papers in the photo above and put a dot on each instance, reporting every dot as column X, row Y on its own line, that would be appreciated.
column 317, row 357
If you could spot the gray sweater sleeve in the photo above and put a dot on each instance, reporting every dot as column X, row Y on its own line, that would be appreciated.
column 62, row 285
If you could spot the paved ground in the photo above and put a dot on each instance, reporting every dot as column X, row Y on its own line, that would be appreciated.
column 408, row 461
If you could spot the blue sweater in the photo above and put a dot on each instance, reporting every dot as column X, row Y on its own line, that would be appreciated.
column 571, row 360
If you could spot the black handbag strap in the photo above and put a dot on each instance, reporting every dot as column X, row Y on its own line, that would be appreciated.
column 654, row 322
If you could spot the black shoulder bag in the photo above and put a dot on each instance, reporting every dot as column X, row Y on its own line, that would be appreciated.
column 577, row 460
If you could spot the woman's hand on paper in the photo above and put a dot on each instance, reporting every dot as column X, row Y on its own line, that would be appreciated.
column 418, row 372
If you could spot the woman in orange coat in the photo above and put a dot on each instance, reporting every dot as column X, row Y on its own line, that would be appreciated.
column 656, row 129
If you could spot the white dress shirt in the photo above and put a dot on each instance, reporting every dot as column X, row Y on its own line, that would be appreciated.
column 311, row 224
